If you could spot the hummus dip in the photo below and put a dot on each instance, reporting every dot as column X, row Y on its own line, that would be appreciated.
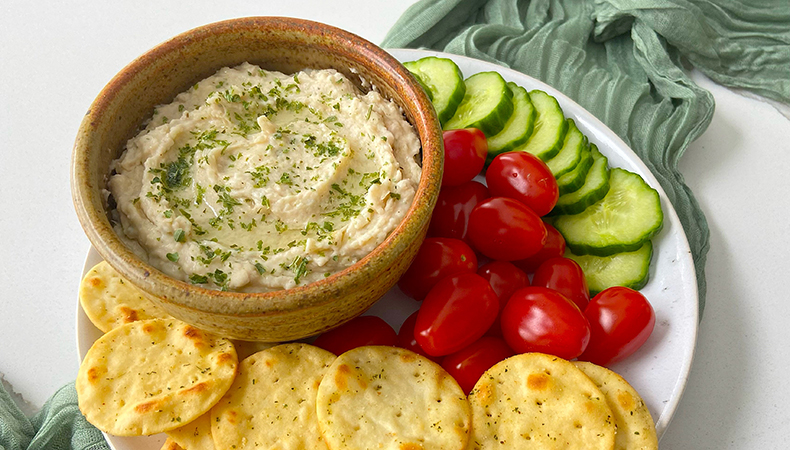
column 255, row 180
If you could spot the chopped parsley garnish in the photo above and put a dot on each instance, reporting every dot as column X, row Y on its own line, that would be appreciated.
column 350, row 205
column 369, row 179
column 228, row 202
column 177, row 174
column 198, row 279
column 259, row 267
column 260, row 176
column 219, row 278
column 298, row 266
column 285, row 178
column 321, row 149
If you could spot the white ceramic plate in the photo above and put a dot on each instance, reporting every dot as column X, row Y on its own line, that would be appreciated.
column 658, row 370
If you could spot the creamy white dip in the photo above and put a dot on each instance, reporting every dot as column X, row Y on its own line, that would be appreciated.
column 255, row 180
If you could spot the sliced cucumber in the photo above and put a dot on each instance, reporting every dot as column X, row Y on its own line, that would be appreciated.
column 426, row 89
column 443, row 81
column 518, row 128
column 627, row 217
column 629, row 269
column 570, row 153
column 487, row 104
column 550, row 127
column 574, row 179
column 595, row 187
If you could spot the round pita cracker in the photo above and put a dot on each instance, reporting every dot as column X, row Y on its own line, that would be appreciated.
column 390, row 398
column 170, row 444
column 110, row 301
column 272, row 402
column 195, row 435
column 539, row 401
column 635, row 429
column 152, row 376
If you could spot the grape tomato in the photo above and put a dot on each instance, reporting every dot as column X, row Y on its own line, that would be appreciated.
column 539, row 319
column 504, row 229
column 450, row 217
column 455, row 313
column 621, row 320
column 406, row 336
column 505, row 279
column 554, row 247
column 465, row 153
column 358, row 332
column 437, row 258
column 565, row 276
column 523, row 177
column 469, row 363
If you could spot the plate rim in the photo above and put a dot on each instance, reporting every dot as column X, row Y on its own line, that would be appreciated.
column 590, row 122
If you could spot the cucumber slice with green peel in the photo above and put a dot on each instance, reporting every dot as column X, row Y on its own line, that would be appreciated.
column 425, row 88
column 629, row 269
column 487, row 104
column 570, row 153
column 574, row 179
column 443, row 81
column 550, row 127
column 627, row 217
column 517, row 129
column 595, row 187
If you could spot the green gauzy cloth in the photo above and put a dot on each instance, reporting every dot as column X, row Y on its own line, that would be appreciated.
column 624, row 61
column 58, row 426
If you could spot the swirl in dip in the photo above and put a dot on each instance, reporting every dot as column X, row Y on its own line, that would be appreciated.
column 255, row 180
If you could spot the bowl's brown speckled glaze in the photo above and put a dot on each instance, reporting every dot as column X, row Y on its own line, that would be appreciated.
column 274, row 43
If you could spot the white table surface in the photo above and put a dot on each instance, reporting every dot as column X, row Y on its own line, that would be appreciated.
column 56, row 57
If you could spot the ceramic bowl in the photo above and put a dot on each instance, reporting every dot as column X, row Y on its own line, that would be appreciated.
column 274, row 43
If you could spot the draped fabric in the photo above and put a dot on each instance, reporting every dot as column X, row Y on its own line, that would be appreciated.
column 627, row 63
column 58, row 426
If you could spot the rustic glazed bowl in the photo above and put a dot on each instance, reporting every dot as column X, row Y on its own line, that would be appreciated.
column 274, row 43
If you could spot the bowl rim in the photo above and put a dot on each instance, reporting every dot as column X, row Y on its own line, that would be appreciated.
column 245, row 304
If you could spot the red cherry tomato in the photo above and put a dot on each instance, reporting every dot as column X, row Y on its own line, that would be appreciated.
column 505, row 279
column 360, row 331
column 464, row 155
column 436, row 259
column 457, row 312
column 539, row 319
column 621, row 320
column 554, row 246
column 406, row 336
column 504, row 229
column 565, row 276
column 469, row 363
column 451, row 215
column 524, row 177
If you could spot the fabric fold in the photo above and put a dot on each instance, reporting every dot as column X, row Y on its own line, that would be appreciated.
column 627, row 63
column 59, row 425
